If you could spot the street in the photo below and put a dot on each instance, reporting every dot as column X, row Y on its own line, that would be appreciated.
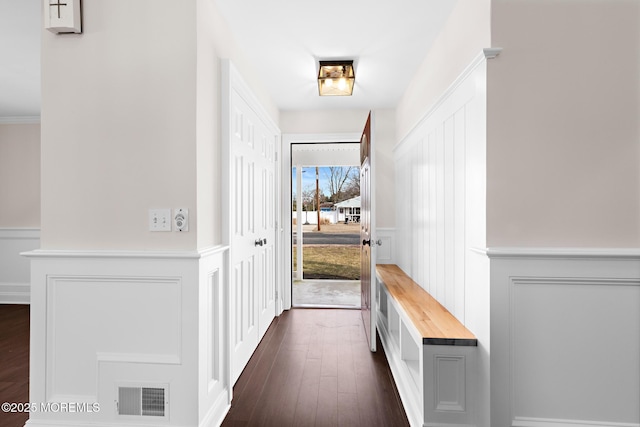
column 315, row 238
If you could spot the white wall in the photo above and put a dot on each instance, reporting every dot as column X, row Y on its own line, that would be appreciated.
column 215, row 42
column 118, row 126
column 20, row 212
column 384, row 140
column 20, row 175
column 323, row 121
column 466, row 32
column 563, row 135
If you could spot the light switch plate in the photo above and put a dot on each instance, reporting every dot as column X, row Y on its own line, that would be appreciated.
column 159, row 219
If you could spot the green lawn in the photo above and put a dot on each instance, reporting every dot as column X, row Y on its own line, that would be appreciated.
column 341, row 262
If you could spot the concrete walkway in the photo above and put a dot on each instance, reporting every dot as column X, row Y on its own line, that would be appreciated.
column 326, row 293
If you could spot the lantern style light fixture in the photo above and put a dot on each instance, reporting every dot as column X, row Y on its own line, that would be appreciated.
column 336, row 78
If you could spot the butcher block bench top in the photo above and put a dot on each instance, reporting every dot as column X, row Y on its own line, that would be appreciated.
column 434, row 322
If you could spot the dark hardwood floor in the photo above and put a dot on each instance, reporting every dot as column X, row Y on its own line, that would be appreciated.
column 14, row 361
column 314, row 368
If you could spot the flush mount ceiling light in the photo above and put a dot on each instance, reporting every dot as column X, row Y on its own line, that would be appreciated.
column 336, row 78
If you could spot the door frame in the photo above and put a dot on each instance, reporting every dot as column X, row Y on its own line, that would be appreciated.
column 285, row 186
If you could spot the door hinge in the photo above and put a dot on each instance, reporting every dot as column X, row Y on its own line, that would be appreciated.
column 276, row 295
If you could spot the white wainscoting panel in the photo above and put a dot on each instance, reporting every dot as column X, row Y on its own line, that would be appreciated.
column 452, row 399
column 104, row 319
column 440, row 183
column 440, row 200
column 565, row 338
column 14, row 268
column 387, row 248
column 96, row 317
column 449, row 390
column 214, row 377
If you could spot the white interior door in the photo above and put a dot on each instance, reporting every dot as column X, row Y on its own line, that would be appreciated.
column 252, row 221
column 368, row 245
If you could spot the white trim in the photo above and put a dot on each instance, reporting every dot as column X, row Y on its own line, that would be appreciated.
column 318, row 138
column 552, row 422
column 66, row 423
column 15, row 293
column 491, row 52
column 15, row 287
column 48, row 253
column 19, row 120
column 160, row 359
column 564, row 253
column 287, row 140
column 19, row 233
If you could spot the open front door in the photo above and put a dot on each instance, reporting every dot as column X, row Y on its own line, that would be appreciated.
column 367, row 224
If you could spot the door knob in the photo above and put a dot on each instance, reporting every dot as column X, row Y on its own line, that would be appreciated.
column 366, row 242
column 258, row 242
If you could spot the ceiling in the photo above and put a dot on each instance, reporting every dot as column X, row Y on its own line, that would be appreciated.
column 284, row 39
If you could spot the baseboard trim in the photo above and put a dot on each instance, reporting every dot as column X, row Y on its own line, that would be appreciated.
column 550, row 422
column 15, row 293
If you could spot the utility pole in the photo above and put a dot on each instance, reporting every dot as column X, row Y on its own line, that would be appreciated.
column 318, row 197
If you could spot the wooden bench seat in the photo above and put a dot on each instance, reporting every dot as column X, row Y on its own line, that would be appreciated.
column 432, row 355
column 432, row 320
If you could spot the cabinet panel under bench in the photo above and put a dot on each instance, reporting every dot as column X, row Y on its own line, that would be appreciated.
column 433, row 357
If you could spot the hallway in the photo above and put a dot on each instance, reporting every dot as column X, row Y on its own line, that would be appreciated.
column 313, row 367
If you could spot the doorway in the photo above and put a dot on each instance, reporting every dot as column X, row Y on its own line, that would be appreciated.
column 325, row 212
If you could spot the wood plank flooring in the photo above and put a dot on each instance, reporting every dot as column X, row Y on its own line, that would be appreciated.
column 14, row 361
column 314, row 368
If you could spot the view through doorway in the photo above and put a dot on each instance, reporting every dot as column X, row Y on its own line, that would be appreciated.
column 325, row 233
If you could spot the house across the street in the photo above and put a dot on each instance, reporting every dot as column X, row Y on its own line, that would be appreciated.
column 348, row 210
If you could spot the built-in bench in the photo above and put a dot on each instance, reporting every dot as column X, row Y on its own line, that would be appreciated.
column 431, row 354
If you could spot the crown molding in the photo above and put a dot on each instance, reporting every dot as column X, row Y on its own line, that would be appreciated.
column 19, row 120
column 491, row 52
